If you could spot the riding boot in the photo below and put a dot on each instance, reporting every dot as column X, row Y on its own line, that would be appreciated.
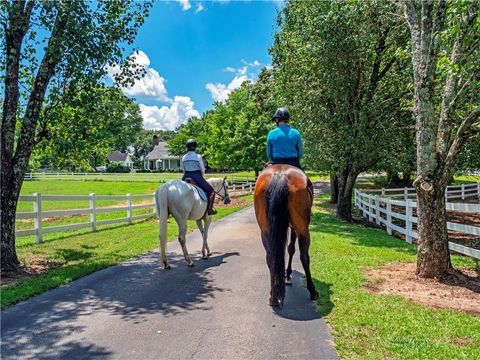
column 210, row 209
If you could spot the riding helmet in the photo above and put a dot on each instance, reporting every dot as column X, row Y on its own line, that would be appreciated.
column 191, row 144
column 281, row 114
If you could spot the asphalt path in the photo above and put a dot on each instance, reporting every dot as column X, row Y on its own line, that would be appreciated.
column 216, row 310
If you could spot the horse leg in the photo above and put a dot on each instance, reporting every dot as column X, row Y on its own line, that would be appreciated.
column 182, row 236
column 208, row 221
column 268, row 259
column 291, row 251
column 304, row 244
column 202, row 231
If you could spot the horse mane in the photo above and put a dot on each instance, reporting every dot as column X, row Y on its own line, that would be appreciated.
column 217, row 182
column 278, row 217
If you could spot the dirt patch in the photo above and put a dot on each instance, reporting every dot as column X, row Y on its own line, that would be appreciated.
column 234, row 203
column 31, row 267
column 459, row 291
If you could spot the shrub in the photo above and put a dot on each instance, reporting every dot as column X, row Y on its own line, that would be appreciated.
column 117, row 168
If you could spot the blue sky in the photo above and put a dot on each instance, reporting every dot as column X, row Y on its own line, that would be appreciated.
column 196, row 52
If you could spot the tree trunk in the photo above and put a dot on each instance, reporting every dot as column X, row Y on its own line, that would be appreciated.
column 10, row 188
column 433, row 256
column 407, row 179
column 346, row 180
column 333, row 188
column 392, row 178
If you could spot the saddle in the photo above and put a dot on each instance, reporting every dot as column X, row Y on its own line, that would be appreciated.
column 199, row 190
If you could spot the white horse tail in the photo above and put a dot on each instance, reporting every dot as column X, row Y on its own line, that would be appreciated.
column 161, row 203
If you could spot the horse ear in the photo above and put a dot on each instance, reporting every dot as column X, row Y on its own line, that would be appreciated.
column 225, row 178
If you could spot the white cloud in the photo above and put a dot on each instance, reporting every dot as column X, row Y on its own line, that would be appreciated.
column 230, row 69
column 199, row 8
column 221, row 91
column 168, row 117
column 255, row 63
column 151, row 86
column 185, row 4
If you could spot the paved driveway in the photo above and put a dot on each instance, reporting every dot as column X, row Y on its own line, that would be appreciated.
column 215, row 310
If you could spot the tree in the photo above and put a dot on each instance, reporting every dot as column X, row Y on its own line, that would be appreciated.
column 87, row 126
column 231, row 136
column 79, row 39
column 340, row 68
column 445, row 40
column 237, row 132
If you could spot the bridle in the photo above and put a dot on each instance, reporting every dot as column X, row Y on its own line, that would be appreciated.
column 224, row 187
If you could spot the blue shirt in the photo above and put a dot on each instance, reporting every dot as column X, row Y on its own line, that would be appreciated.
column 284, row 142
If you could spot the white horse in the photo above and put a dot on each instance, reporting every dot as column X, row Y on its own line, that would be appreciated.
column 181, row 200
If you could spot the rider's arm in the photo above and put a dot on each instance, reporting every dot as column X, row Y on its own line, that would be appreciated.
column 300, row 146
column 269, row 148
column 202, row 165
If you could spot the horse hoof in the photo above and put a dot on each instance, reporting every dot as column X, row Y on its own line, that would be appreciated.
column 166, row 267
column 273, row 303
column 204, row 257
column 191, row 264
column 209, row 254
column 288, row 281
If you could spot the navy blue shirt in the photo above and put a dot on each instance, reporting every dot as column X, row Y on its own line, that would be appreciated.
column 284, row 142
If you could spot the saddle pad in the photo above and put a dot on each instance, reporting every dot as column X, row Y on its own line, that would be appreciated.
column 200, row 192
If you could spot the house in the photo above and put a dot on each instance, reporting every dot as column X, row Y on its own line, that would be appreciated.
column 120, row 158
column 159, row 158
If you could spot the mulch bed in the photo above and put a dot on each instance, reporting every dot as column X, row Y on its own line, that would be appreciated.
column 458, row 291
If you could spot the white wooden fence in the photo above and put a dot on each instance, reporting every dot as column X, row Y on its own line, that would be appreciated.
column 381, row 209
column 38, row 214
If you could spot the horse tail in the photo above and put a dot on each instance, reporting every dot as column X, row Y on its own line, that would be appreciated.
column 161, row 204
column 278, row 218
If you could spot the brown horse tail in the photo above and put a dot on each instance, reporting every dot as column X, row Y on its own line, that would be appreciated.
column 278, row 218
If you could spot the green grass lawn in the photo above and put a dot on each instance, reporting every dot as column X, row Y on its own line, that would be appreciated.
column 369, row 326
column 74, row 256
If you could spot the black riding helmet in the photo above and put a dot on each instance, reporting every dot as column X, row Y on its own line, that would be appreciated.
column 191, row 144
column 281, row 114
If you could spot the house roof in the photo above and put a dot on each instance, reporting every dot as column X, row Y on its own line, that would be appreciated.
column 117, row 156
column 160, row 151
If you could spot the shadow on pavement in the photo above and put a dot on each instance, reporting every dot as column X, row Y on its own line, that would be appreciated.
column 126, row 292
column 297, row 304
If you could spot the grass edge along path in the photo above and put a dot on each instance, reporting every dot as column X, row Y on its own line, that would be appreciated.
column 370, row 326
column 74, row 256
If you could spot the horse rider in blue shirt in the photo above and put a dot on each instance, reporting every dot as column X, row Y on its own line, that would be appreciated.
column 194, row 168
column 284, row 144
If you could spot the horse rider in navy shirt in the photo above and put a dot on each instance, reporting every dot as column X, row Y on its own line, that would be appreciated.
column 284, row 144
column 194, row 168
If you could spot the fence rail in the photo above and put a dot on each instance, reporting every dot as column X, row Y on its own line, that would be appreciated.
column 397, row 215
column 149, row 177
column 38, row 214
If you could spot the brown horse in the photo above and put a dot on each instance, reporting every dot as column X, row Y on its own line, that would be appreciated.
column 283, row 199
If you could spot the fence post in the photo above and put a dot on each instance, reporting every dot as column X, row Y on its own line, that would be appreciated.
column 355, row 197
column 463, row 191
column 377, row 210
column 233, row 187
column 243, row 187
column 250, row 187
column 370, row 217
column 478, row 190
column 383, row 191
column 389, row 216
column 93, row 212
column 129, row 210
column 405, row 192
column 37, row 223
column 408, row 221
